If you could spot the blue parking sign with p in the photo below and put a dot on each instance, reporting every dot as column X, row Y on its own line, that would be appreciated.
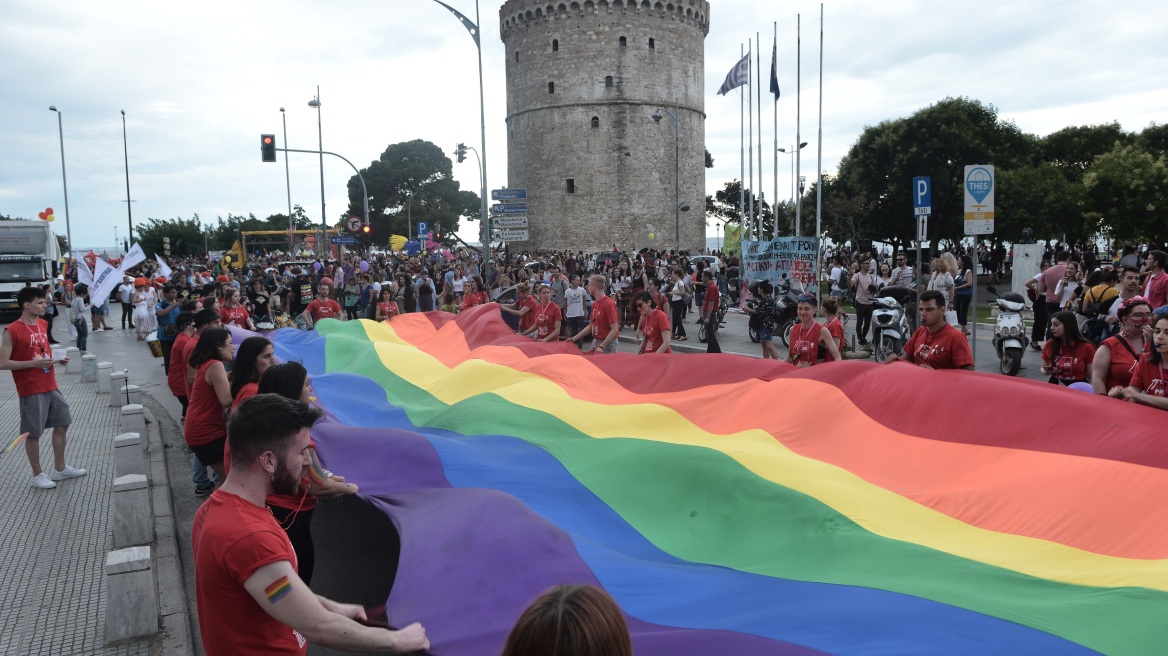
column 922, row 195
column 423, row 229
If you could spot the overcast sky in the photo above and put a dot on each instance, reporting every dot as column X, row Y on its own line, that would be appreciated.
column 200, row 81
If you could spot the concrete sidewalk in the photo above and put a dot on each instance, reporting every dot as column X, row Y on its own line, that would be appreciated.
column 52, row 575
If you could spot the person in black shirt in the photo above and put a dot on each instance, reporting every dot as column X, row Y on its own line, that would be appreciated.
column 258, row 298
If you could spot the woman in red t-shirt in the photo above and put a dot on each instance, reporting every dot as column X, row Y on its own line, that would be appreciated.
column 1066, row 356
column 205, row 430
column 176, row 376
column 1116, row 357
column 254, row 357
column 386, row 307
column 471, row 296
column 233, row 313
column 547, row 317
column 654, row 325
column 807, row 336
column 294, row 512
column 834, row 327
column 1149, row 382
column 523, row 307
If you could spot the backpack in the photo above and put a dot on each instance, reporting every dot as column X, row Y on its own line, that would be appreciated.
column 1095, row 328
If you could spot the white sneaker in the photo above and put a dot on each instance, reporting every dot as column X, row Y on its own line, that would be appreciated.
column 41, row 481
column 67, row 472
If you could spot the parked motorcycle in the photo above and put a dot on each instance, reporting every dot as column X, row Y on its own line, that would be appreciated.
column 1010, row 339
column 787, row 293
column 733, row 283
column 890, row 328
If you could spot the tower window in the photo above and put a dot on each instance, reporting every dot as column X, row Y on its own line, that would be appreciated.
column 516, row 55
column 571, row 186
column 652, row 43
column 624, row 42
column 595, row 121
column 555, row 45
column 551, row 87
column 608, row 81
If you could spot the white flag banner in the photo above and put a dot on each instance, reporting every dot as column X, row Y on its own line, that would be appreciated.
column 133, row 258
column 738, row 76
column 105, row 281
column 84, row 274
column 163, row 268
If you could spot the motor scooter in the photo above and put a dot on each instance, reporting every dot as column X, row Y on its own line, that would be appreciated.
column 787, row 293
column 1010, row 339
column 890, row 329
column 733, row 284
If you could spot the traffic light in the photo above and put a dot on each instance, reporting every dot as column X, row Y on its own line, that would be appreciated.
column 461, row 152
column 365, row 229
column 268, row 147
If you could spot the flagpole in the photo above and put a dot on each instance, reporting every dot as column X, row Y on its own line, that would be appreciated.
column 758, row 101
column 819, row 163
column 741, row 151
column 775, row 77
column 798, row 123
column 750, row 122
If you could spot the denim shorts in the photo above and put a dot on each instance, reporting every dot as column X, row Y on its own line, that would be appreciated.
column 765, row 334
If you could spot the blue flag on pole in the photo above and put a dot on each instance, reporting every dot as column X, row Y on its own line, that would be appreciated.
column 775, row 70
column 738, row 76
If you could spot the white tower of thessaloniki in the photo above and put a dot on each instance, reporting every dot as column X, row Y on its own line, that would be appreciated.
column 583, row 80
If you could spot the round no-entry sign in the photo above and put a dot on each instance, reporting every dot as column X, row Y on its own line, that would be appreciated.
column 353, row 223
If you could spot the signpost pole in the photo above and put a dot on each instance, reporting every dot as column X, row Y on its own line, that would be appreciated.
column 922, row 208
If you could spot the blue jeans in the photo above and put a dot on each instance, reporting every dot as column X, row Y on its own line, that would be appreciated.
column 82, row 334
column 200, row 475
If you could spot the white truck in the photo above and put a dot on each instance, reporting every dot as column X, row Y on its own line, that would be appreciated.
column 29, row 255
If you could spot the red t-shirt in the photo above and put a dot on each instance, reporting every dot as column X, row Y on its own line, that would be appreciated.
column 233, row 538
column 1069, row 364
column 1123, row 363
column 805, row 343
column 237, row 316
column 204, row 423
column 388, row 310
column 472, row 299
column 603, row 315
column 527, row 320
column 546, row 317
column 247, row 391
column 30, row 343
column 836, row 330
column 1150, row 377
column 711, row 300
column 945, row 349
column 176, row 378
column 323, row 310
column 653, row 327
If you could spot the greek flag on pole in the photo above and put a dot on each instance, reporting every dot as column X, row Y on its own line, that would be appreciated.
column 775, row 71
column 738, row 76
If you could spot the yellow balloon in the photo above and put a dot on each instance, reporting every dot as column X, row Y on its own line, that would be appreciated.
column 652, row 236
column 227, row 259
column 49, row 217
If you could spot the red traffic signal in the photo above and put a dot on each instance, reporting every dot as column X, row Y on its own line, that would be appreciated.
column 268, row 147
column 365, row 229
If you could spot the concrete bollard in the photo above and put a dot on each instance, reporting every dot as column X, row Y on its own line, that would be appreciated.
column 104, row 369
column 128, row 455
column 74, row 355
column 89, row 368
column 131, row 597
column 133, row 420
column 131, row 393
column 117, row 380
column 133, row 518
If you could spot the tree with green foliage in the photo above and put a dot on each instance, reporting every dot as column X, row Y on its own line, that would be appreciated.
column 186, row 236
column 1128, row 189
column 725, row 204
column 412, row 178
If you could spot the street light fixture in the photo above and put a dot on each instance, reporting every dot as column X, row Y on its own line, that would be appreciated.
column 791, row 150
column 126, row 152
column 64, row 180
column 676, row 174
column 315, row 103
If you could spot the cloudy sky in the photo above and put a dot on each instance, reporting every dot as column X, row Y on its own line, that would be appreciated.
column 200, row 81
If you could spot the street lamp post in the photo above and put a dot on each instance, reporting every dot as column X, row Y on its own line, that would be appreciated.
column 288, row 186
column 676, row 174
column 790, row 150
column 126, row 152
column 64, row 180
column 315, row 103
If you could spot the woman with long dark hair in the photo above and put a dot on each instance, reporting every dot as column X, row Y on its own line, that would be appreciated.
column 1149, row 381
column 251, row 361
column 1067, row 356
column 205, row 430
column 570, row 620
column 294, row 512
column 808, row 335
column 1116, row 357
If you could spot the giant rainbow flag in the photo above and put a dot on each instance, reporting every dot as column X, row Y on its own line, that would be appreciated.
column 737, row 506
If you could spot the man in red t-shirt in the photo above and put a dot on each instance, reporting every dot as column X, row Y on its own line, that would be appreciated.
column 604, row 322
column 322, row 307
column 25, row 351
column 250, row 598
column 936, row 344
column 524, row 307
column 710, row 305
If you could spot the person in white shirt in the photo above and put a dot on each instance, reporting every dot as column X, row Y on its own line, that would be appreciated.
column 125, row 293
column 574, row 309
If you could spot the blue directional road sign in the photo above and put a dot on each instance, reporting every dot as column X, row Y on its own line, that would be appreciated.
column 922, row 195
column 509, row 194
column 509, row 208
column 344, row 241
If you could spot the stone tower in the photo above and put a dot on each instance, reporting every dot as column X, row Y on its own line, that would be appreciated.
column 583, row 80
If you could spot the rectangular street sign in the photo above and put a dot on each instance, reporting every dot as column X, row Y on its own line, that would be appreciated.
column 979, row 199
column 344, row 241
column 509, row 194
column 511, row 235
column 514, row 221
column 509, row 208
column 922, row 195
column 423, row 228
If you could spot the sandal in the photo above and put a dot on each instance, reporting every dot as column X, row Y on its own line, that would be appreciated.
column 682, row 338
